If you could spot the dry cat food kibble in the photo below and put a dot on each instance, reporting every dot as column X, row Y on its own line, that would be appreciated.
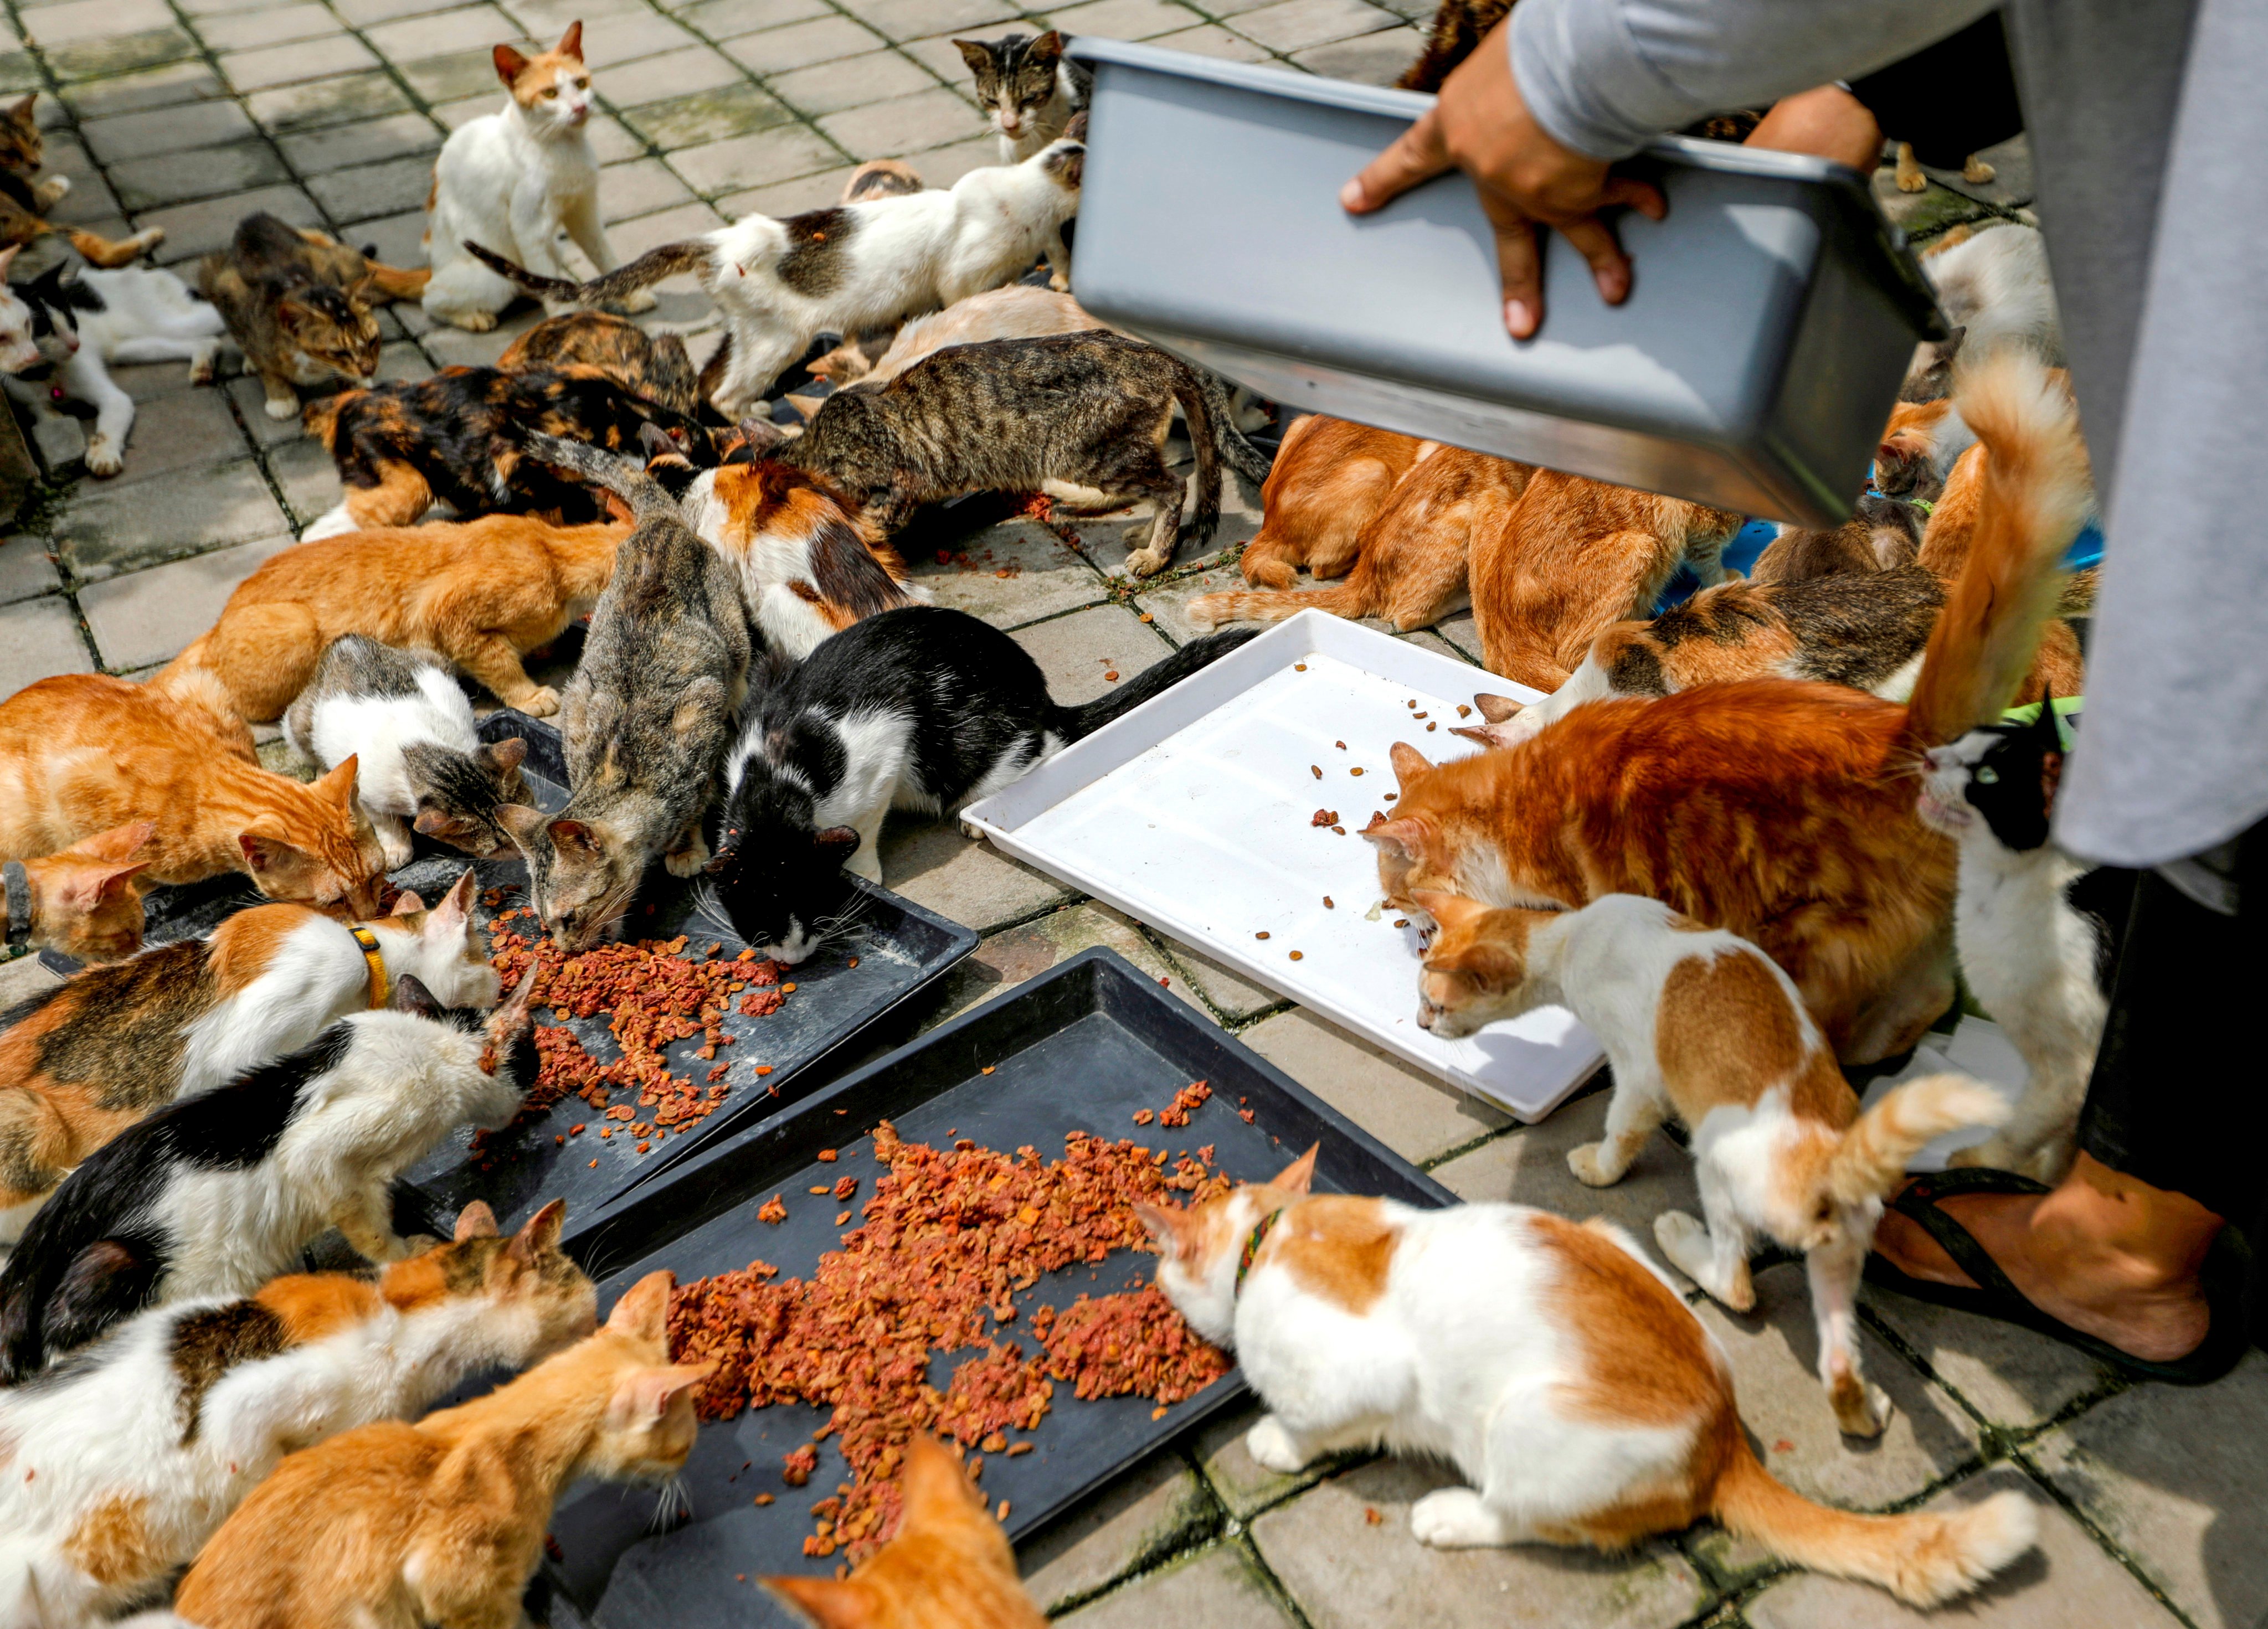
column 1297, row 956
column 1315, row 770
column 1262, row 934
column 1464, row 712
column 1324, row 817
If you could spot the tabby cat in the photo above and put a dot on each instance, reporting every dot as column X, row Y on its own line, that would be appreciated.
column 1027, row 87
column 24, row 202
column 655, row 366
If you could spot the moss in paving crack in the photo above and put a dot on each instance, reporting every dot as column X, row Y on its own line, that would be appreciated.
column 706, row 116
column 95, row 59
column 1190, row 1522
column 291, row 109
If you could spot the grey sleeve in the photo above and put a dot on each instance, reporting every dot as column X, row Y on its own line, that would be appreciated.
column 1605, row 76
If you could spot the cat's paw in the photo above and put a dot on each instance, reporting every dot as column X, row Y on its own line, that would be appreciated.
column 1455, row 1518
column 1912, row 181
column 865, row 863
column 1060, row 283
column 55, row 189
column 473, row 321
column 1685, row 1241
column 104, row 458
column 539, row 703
column 1583, row 1162
column 1861, row 1408
column 281, row 407
column 687, row 861
column 206, row 365
column 1146, row 562
column 637, row 300
column 398, row 853
column 1272, row 1446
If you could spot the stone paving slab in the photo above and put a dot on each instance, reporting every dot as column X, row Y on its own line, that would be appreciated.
column 165, row 130
column 1006, row 959
column 1244, row 1486
column 196, row 229
column 1294, row 25
column 374, row 189
column 1370, row 59
column 853, row 82
column 935, row 117
column 177, row 178
column 144, row 616
column 1156, row 1508
column 1015, row 574
column 726, row 19
column 38, row 638
column 931, row 864
column 825, row 39
column 395, row 136
column 2014, row 1378
column 26, row 569
column 1217, row 1588
column 1417, row 1116
column 158, row 87
column 272, row 26
column 180, row 431
column 321, row 103
column 288, row 64
column 737, row 161
column 1080, row 652
column 1528, row 1166
column 110, row 528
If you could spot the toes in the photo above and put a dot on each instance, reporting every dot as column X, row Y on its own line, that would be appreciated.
column 1271, row 1448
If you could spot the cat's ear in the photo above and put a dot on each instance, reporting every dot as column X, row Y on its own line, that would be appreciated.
column 512, row 1019
column 509, row 64
column 339, row 786
column 1176, row 1231
column 1048, row 47
column 1400, row 837
column 643, row 1313
column 539, row 1234
column 8, row 257
column 262, row 849
column 571, row 43
column 644, row 1397
column 433, row 823
column 828, row 1603
column 476, row 1221
column 574, row 837
column 1496, row 709
column 1493, row 963
column 408, row 902
column 121, row 842
column 1410, row 766
column 524, row 824
column 21, row 112
column 453, row 918
column 933, row 1483
column 974, row 53
column 1298, row 1176
column 503, row 757
column 837, row 843
column 1448, row 910
column 89, row 888
column 410, row 995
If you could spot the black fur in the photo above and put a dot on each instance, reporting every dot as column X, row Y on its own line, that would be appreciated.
column 812, row 265
column 127, row 1028
column 57, row 291
column 2012, row 786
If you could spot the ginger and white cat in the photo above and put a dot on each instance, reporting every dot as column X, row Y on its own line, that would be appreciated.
column 84, row 902
column 1582, row 1399
column 513, row 182
column 1700, row 1025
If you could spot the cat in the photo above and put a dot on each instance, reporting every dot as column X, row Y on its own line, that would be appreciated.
column 80, row 320
column 85, row 1059
column 1329, row 481
column 1082, row 411
column 443, row 1521
column 949, row 1565
column 25, row 202
column 645, row 719
column 139, row 1451
column 1544, row 1358
column 1910, row 178
column 297, row 303
column 85, row 902
column 1774, row 808
column 24, row 148
column 882, row 178
column 1701, row 1026
column 218, row 1193
column 461, row 435
column 420, row 761
column 515, row 182
column 1029, row 90
column 922, row 709
column 1993, row 285
column 655, row 366
column 1881, row 535
column 1459, row 26
column 82, row 753
column 779, row 284
column 1018, row 312
column 481, row 594
column 1410, row 555
column 2037, row 963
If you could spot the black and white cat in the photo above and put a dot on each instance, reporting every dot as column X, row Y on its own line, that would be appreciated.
column 921, row 708
column 1027, row 88
column 215, row 1195
column 2035, row 929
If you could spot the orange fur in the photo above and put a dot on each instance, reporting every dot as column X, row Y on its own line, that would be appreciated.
column 1329, row 480
column 770, row 507
column 1338, row 1248
column 525, row 76
column 2059, row 666
column 86, row 901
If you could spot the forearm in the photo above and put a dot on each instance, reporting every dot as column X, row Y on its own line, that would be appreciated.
column 1604, row 76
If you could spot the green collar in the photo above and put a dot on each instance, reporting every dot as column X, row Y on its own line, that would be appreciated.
column 1253, row 1241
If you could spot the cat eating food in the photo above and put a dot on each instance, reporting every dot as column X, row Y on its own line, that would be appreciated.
column 84, row 902
column 1027, row 87
column 655, row 366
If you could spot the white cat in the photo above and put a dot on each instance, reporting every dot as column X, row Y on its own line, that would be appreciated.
column 1996, row 289
column 512, row 182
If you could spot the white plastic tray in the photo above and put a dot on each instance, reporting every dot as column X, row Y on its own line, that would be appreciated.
column 1192, row 813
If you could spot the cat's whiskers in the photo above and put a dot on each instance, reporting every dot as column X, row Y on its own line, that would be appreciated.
column 672, row 1506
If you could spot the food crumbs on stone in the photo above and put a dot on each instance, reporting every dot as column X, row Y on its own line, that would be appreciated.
column 1112, row 675
column 1370, row 1516
column 1324, row 817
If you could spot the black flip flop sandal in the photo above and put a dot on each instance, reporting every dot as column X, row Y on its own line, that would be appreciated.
column 1996, row 1297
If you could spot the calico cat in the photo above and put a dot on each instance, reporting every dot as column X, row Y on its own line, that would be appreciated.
column 1881, row 535
column 89, row 1057
column 923, row 708
column 646, row 719
column 137, row 1453
column 1027, row 87
column 481, row 594
column 1088, row 411
column 25, row 202
column 1562, row 1376
column 84, row 902
column 218, row 1193
column 1702, row 1026
column 2037, row 963
column 949, row 1567
column 24, row 148
column 655, row 366
column 1994, row 286
column 297, row 303
column 82, row 753
column 780, row 284
column 443, row 1522
column 1777, row 809
column 514, row 182
column 421, row 761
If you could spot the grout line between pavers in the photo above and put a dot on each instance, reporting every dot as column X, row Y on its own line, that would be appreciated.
column 2103, row 1541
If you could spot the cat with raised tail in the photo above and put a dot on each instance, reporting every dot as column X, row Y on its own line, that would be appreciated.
column 1562, row 1375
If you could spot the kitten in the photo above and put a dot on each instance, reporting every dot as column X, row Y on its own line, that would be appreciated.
column 514, row 182
column 1772, row 808
column 1330, row 479
column 421, row 761
column 137, row 1453
column 85, row 902
column 1702, row 1026
column 443, row 1521
column 1019, row 312
column 655, row 366
column 82, row 753
column 1546, row 1361
column 1881, row 535
column 25, row 202
column 780, row 284
column 481, row 594
column 949, row 1567
column 1027, row 87
column 2037, row 963
column 89, row 1057
column 297, row 303
column 923, row 708
column 646, row 718
column 1084, row 411
column 218, row 1193
column 81, row 320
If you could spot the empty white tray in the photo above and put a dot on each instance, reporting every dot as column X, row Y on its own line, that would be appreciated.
column 1192, row 813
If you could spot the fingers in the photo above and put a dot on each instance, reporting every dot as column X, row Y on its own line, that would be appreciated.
column 1610, row 267
column 1644, row 196
column 1418, row 155
column 1517, row 263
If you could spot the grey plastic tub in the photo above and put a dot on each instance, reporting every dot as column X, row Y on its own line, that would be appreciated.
column 1770, row 319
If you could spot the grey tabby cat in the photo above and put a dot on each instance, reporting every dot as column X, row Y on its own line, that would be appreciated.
column 647, row 716
column 1028, row 88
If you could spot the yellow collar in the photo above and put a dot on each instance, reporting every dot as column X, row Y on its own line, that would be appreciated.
column 371, row 953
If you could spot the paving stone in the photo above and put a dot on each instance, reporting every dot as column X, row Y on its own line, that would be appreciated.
column 1168, row 601
column 635, row 238
column 942, row 57
column 108, row 528
column 933, row 865
column 2011, row 1376
column 453, row 76
column 25, row 568
column 463, row 28
column 362, row 13
column 121, row 53
column 2011, row 184
column 399, row 240
column 1346, row 1572
column 1925, row 213
column 741, row 161
column 684, row 122
column 1077, row 650
column 60, row 442
column 374, row 189
column 908, row 124
column 1044, row 577
column 1412, row 1113
column 178, row 431
column 806, row 192
column 673, row 73
column 454, row 347
column 164, row 179
column 910, row 19
column 2173, row 1476
column 146, row 381
column 2067, row 1583
column 1528, row 1166
column 321, row 103
column 401, row 361
column 1377, row 58
column 639, row 188
column 1110, row 539
column 1242, row 1484
column 308, row 478
column 723, row 19
column 81, row 20
column 1211, row 39
column 1216, row 1589
column 197, row 229
column 127, row 93
column 23, row 977
column 1124, row 19
column 1006, row 959
column 247, row 393
column 942, row 166
column 628, row 38
column 548, row 19
column 148, row 616
column 1228, row 993
column 38, row 638
column 221, row 7
column 241, row 31
column 1295, row 24
column 288, row 64
column 853, row 82
column 165, row 130
column 398, row 135
column 1141, row 1518
column 800, row 45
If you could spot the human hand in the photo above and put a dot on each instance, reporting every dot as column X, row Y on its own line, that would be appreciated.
column 1481, row 125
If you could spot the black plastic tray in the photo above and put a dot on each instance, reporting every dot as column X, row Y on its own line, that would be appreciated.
column 1082, row 1047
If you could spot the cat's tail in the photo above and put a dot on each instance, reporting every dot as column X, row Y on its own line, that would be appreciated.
column 1348, row 597
column 691, row 255
column 1206, row 412
column 1872, row 1158
column 1924, row 1559
column 2037, row 493
column 1073, row 723
column 1242, row 454
column 625, row 478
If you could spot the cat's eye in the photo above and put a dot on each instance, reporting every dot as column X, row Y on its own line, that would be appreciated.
column 1988, row 776
column 550, row 93
column 582, row 85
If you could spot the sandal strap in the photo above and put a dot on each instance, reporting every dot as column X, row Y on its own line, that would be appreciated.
column 1918, row 1202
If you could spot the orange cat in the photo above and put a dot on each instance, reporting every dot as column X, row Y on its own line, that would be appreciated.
column 443, row 1522
column 2059, row 668
column 949, row 1568
column 85, row 901
column 83, row 754
column 480, row 593
column 1329, row 479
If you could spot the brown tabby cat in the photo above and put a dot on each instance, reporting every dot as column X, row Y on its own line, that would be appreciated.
column 654, row 366
column 85, row 902
column 24, row 202
column 443, row 1522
